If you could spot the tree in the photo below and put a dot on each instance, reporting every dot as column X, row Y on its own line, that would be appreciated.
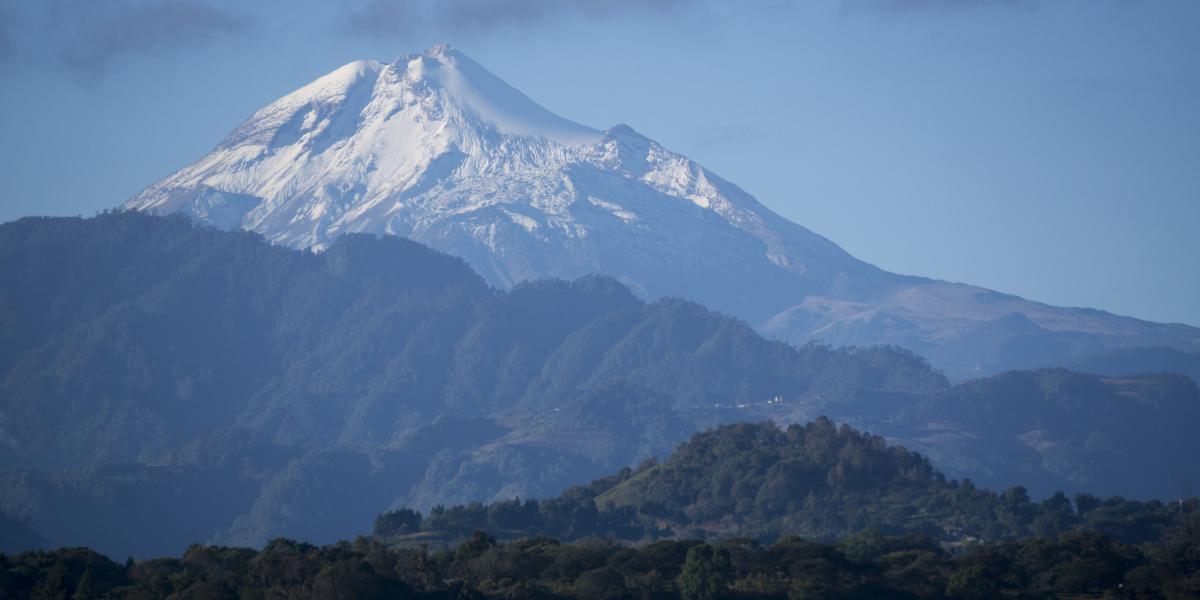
column 601, row 584
column 1085, row 503
column 476, row 545
column 86, row 588
column 52, row 585
column 353, row 580
column 1183, row 555
column 397, row 522
column 1055, row 516
column 972, row 581
column 705, row 573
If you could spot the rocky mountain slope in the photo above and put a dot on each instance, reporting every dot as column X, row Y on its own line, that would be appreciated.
column 435, row 148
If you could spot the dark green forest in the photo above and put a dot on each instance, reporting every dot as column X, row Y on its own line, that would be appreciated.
column 865, row 566
column 876, row 521
column 819, row 481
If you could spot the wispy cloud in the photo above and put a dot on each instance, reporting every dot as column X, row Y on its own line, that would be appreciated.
column 403, row 17
column 933, row 6
column 86, row 37
column 722, row 135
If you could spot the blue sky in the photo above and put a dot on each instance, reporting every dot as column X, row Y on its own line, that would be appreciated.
column 1049, row 149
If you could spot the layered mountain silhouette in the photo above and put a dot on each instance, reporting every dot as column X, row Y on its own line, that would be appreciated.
column 435, row 148
column 164, row 383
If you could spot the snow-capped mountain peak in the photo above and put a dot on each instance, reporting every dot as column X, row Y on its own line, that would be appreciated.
column 426, row 146
column 434, row 147
column 472, row 87
column 441, row 79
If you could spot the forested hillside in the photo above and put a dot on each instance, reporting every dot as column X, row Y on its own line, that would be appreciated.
column 1049, row 429
column 1077, row 565
column 128, row 336
column 1116, row 363
column 146, row 360
column 163, row 384
column 819, row 481
column 749, row 488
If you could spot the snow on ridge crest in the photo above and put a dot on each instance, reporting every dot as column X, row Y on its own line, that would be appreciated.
column 467, row 83
column 434, row 147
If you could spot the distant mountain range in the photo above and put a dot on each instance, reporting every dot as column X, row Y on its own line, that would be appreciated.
column 435, row 148
column 163, row 383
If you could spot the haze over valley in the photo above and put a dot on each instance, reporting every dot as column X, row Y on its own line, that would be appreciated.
column 406, row 332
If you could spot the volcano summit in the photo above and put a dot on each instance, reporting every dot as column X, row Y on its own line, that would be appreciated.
column 435, row 148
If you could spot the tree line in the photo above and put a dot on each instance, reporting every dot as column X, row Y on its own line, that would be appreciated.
column 866, row 565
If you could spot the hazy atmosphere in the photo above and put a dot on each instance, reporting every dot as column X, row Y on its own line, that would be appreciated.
column 600, row 299
column 1045, row 149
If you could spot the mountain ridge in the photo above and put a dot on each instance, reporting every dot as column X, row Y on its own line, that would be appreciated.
column 817, row 480
column 147, row 361
column 435, row 148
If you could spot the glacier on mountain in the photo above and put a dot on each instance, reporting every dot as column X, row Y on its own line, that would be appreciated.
column 434, row 147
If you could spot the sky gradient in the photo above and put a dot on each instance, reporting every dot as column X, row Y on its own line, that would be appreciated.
column 1045, row 149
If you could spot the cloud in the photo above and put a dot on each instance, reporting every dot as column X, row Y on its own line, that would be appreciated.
column 86, row 37
column 402, row 17
column 723, row 135
column 933, row 6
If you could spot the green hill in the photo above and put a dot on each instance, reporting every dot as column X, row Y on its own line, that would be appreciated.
column 818, row 481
